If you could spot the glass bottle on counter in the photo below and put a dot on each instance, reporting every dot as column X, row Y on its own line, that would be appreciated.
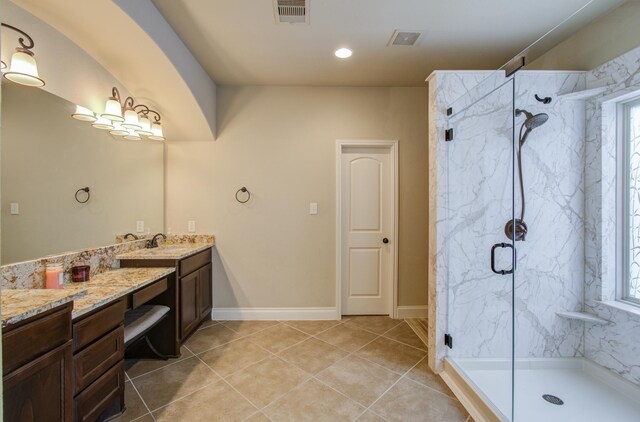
column 54, row 275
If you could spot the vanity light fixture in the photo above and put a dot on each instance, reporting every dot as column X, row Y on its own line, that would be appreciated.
column 118, row 130
column 126, row 119
column 84, row 114
column 112, row 108
column 23, row 68
column 102, row 123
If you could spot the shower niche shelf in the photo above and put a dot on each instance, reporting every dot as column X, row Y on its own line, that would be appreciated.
column 582, row 95
column 583, row 316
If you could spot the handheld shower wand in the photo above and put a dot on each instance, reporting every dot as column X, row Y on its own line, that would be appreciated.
column 517, row 229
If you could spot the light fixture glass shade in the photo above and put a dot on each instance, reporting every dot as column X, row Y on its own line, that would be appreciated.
column 102, row 123
column 131, row 120
column 23, row 70
column 118, row 130
column 113, row 110
column 132, row 136
column 156, row 128
column 145, row 125
column 3, row 66
column 84, row 114
column 343, row 53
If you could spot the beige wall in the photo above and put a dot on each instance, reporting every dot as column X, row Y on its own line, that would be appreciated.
column 47, row 156
column 279, row 142
column 604, row 39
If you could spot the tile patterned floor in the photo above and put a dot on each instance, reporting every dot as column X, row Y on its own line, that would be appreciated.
column 367, row 368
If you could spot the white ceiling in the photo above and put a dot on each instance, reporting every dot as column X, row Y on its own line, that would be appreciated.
column 239, row 43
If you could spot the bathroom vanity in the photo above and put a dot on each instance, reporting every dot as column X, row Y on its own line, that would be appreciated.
column 64, row 349
column 192, row 264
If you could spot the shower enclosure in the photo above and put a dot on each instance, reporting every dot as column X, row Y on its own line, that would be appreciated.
column 526, row 243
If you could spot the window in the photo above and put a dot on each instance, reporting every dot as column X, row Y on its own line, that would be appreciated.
column 630, row 201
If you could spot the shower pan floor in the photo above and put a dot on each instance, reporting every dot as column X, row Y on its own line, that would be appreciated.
column 589, row 392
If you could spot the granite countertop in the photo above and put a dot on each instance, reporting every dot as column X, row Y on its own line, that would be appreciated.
column 111, row 285
column 175, row 251
column 20, row 304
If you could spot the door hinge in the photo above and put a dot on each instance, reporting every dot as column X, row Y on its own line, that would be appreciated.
column 449, row 111
column 448, row 135
column 448, row 341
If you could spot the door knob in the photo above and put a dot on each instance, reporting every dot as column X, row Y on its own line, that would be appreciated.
column 385, row 240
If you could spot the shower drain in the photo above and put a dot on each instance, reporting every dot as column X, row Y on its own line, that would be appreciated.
column 553, row 399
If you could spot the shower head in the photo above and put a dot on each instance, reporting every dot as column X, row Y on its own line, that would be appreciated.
column 533, row 121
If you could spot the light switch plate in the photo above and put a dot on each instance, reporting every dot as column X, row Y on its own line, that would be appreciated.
column 15, row 208
column 140, row 226
column 313, row 208
column 191, row 226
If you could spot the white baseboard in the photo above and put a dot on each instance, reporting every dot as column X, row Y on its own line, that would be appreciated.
column 412, row 311
column 265, row 314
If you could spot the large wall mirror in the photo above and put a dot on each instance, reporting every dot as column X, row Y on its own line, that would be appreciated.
column 46, row 156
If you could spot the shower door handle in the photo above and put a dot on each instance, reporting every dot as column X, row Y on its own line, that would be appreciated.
column 493, row 258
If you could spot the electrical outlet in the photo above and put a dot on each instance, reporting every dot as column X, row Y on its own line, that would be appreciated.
column 313, row 208
column 191, row 226
column 140, row 226
column 15, row 208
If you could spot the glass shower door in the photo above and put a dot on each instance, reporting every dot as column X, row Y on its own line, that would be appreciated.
column 478, row 245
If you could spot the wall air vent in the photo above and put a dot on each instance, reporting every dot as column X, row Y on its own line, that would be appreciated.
column 407, row 38
column 291, row 11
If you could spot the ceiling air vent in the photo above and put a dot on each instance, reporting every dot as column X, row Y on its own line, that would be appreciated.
column 404, row 38
column 291, row 11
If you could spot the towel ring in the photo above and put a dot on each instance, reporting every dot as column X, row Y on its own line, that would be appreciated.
column 85, row 190
column 243, row 189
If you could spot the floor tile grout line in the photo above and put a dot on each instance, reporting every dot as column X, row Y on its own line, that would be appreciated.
column 193, row 392
column 428, row 386
column 141, row 399
column 185, row 396
column 389, row 389
column 319, row 332
column 406, row 344
column 341, row 393
column 179, row 360
column 277, row 398
column 255, row 332
column 258, row 408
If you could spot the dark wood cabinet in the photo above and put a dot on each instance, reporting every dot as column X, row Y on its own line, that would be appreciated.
column 189, row 313
column 194, row 285
column 205, row 299
column 37, row 379
column 98, row 370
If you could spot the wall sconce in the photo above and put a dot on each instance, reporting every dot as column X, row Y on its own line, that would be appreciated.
column 126, row 119
column 23, row 68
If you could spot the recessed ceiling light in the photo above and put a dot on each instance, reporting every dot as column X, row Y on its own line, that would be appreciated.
column 343, row 53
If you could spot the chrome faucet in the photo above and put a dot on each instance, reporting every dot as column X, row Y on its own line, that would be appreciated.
column 153, row 243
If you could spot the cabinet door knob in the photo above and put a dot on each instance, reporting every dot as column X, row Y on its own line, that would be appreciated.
column 385, row 240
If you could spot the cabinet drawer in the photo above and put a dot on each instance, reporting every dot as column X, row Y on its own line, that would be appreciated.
column 94, row 360
column 96, row 398
column 146, row 294
column 97, row 324
column 189, row 265
column 35, row 338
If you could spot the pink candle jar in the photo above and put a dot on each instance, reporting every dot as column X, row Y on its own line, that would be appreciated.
column 54, row 275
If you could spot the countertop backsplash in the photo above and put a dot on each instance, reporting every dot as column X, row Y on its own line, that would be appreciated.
column 30, row 274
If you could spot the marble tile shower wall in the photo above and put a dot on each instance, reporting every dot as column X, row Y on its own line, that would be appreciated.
column 550, row 273
column 615, row 346
column 474, row 193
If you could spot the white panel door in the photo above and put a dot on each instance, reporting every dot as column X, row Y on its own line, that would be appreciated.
column 366, row 230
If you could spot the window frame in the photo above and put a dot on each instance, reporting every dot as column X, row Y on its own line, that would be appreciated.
column 623, row 178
